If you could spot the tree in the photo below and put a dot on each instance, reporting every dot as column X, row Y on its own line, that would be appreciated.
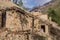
column 15, row 1
column 18, row 2
column 53, row 14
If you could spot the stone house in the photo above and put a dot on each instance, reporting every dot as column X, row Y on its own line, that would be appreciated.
column 19, row 24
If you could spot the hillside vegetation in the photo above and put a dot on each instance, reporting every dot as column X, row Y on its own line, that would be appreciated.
column 54, row 12
column 52, row 8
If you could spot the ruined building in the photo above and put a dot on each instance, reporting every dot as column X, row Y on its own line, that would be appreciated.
column 18, row 24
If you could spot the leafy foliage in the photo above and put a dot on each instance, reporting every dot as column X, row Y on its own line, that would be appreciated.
column 54, row 13
column 18, row 2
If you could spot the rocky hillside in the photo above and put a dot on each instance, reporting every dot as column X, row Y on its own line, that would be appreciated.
column 44, row 7
column 52, row 8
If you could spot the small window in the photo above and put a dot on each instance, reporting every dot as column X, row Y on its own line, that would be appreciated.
column 43, row 28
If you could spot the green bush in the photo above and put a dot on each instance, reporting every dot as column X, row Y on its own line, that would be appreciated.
column 54, row 14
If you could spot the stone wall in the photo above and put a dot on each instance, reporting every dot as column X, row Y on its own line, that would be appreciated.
column 17, row 21
column 0, row 19
column 20, row 26
column 55, row 33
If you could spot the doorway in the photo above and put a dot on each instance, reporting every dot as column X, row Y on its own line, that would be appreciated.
column 43, row 28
